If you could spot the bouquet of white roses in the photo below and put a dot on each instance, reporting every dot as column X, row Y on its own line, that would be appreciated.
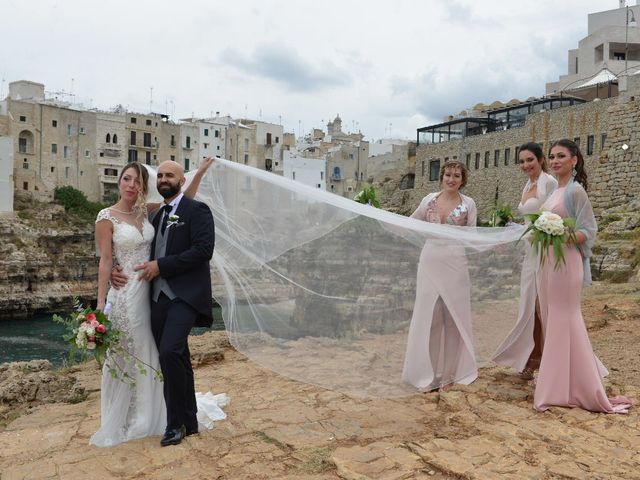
column 550, row 230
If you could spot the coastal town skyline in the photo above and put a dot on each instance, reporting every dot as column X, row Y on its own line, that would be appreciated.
column 295, row 64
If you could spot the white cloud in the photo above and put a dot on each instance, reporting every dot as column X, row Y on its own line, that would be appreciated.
column 384, row 67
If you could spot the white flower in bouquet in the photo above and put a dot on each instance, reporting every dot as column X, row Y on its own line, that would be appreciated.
column 550, row 231
column 91, row 345
column 90, row 330
column 550, row 223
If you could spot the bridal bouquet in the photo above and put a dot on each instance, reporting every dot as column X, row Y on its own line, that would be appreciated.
column 550, row 230
column 501, row 216
column 91, row 334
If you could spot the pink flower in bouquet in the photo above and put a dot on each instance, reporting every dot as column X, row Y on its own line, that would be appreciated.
column 91, row 338
column 91, row 317
column 94, row 323
column 101, row 328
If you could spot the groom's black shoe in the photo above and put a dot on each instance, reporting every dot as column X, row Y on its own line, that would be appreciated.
column 173, row 436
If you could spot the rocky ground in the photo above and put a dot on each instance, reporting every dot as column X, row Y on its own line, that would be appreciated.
column 279, row 428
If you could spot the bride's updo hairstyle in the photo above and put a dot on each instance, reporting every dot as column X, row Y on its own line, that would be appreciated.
column 143, row 175
column 455, row 165
column 535, row 148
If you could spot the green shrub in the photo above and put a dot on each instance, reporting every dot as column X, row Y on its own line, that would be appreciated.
column 76, row 202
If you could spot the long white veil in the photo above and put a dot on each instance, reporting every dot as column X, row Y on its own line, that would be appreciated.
column 321, row 289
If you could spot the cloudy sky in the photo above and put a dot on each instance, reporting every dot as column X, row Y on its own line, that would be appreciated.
column 386, row 67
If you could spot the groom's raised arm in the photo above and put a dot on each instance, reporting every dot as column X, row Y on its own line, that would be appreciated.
column 202, row 236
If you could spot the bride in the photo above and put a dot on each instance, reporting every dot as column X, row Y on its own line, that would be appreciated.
column 136, row 408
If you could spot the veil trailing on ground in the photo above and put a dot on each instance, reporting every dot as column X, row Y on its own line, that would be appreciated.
column 321, row 289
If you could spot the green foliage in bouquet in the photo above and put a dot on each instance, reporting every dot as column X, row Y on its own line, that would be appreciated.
column 367, row 196
column 501, row 216
column 550, row 230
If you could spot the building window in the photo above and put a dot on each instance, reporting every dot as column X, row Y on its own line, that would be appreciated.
column 277, row 139
column 205, row 145
column 468, row 160
column 477, row 165
column 246, row 144
column 434, row 170
column 268, row 138
column 496, row 158
column 147, row 158
column 25, row 165
column 173, row 140
column 22, row 145
column 146, row 139
column 53, row 169
column 132, row 141
column 188, row 142
column 246, row 159
column 25, row 185
column 87, row 154
column 590, row 142
column 54, row 123
column 206, row 132
column 577, row 141
column 148, row 122
column 487, row 159
column 218, row 147
column 516, row 155
column 115, row 138
column 351, row 156
column 422, row 168
column 603, row 140
column 111, row 172
column 133, row 156
column 186, row 164
column 108, row 138
column 319, row 186
column 69, row 129
column 268, row 164
column 321, row 174
column 216, row 133
column 23, row 118
column 507, row 154
column 102, row 154
column 65, row 152
column 82, row 131
column 336, row 173
column 173, row 158
column 133, row 120
column 54, row 148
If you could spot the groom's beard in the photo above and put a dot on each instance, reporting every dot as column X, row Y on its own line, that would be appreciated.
column 168, row 190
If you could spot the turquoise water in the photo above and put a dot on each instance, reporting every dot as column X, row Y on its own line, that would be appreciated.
column 40, row 338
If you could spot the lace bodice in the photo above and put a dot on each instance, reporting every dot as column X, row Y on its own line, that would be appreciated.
column 130, row 245
column 458, row 215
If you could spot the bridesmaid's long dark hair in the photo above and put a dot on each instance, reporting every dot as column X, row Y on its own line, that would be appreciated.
column 574, row 150
column 535, row 148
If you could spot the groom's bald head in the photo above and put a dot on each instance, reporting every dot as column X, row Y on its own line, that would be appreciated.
column 170, row 179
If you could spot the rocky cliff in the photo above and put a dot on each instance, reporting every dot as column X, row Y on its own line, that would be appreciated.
column 46, row 258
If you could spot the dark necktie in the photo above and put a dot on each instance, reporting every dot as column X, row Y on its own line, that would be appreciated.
column 165, row 217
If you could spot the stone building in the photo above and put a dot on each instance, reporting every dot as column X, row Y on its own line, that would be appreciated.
column 256, row 143
column 6, row 174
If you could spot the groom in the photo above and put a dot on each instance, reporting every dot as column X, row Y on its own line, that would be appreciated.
column 180, row 293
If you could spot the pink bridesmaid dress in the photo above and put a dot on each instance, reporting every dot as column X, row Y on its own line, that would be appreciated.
column 569, row 375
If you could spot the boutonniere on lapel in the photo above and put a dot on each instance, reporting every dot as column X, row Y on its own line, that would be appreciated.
column 173, row 220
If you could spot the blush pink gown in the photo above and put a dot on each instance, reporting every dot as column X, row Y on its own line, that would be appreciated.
column 569, row 375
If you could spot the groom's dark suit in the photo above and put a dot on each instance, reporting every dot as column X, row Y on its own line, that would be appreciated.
column 188, row 247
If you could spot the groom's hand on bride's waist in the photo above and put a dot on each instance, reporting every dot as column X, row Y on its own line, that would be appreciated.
column 118, row 279
column 148, row 270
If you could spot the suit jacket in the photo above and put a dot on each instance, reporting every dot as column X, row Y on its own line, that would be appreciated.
column 185, row 265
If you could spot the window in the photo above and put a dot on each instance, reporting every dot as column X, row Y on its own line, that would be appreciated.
column 54, row 123
column 111, row 172
column 115, row 138
column 516, row 155
column 319, row 186
column 507, row 154
column 173, row 158
column 148, row 122
column 54, row 148
column 66, row 152
column 590, row 142
column 23, row 118
column 603, row 140
column 108, row 138
column 351, row 156
column 66, row 172
column 434, row 170
column 132, row 141
column 82, row 131
column 277, row 139
column 577, row 141
column 496, row 158
column 294, row 175
column 477, row 165
column 146, row 139
column 133, row 156
column 69, row 129
column 205, row 145
column 22, row 145
column 487, row 159
column 422, row 168
column 268, row 164
column 87, row 154
column 321, row 174
column 25, row 165
column 102, row 154
column 206, row 132
column 468, row 160
column 147, row 158
column 246, row 158
column 246, row 144
column 218, row 147
column 186, row 164
column 133, row 120
column 53, row 169
column 216, row 133
column 173, row 140
column 336, row 173
column 188, row 142
column 25, row 185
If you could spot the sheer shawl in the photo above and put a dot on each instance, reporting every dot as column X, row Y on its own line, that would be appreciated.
column 321, row 289
column 579, row 208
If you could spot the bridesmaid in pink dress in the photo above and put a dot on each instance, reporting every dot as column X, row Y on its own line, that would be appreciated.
column 440, row 341
column 569, row 372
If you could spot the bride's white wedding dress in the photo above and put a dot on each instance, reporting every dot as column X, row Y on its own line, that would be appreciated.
column 137, row 411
